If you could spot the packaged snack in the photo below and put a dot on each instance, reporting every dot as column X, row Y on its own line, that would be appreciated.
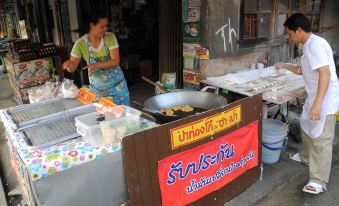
column 169, row 80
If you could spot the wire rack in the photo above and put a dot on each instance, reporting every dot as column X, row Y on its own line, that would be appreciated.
column 24, row 115
column 51, row 134
column 55, row 128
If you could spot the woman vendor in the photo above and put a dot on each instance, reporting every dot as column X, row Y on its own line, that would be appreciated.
column 100, row 50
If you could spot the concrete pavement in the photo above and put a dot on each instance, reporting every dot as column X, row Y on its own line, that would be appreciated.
column 8, row 177
column 282, row 183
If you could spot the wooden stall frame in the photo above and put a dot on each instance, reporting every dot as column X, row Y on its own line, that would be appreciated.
column 143, row 150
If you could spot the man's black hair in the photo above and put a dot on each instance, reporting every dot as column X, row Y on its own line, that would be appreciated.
column 298, row 20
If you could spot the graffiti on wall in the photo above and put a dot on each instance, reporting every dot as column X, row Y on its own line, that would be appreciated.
column 227, row 33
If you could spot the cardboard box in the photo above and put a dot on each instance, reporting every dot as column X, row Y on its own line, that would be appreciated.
column 30, row 73
column 18, row 98
column 20, row 95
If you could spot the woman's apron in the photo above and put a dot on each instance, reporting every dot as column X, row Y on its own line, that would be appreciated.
column 108, row 82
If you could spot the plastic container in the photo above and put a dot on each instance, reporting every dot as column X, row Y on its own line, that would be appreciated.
column 274, row 139
column 120, row 122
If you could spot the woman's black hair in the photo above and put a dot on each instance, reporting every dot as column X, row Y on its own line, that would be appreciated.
column 298, row 20
column 96, row 15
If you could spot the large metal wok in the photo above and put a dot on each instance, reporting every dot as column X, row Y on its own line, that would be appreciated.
column 196, row 99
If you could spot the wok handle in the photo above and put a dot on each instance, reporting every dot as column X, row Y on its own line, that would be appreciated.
column 138, row 103
column 155, row 84
column 144, row 112
column 216, row 89
column 149, row 116
column 146, row 109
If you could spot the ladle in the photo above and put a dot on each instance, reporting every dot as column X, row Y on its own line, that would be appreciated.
column 155, row 84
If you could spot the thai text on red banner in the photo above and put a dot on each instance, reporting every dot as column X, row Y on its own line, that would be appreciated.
column 187, row 176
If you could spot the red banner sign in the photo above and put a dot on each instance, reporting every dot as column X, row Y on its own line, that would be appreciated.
column 186, row 177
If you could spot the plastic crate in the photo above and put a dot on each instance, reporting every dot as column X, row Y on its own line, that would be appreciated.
column 120, row 122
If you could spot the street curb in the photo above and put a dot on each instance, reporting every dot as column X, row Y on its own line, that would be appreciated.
column 3, row 200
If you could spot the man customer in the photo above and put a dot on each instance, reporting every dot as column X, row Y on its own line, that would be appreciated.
column 318, row 118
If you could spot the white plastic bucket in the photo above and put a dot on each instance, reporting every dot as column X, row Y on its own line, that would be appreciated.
column 274, row 139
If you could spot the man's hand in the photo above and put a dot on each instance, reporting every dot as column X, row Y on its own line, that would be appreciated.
column 278, row 66
column 290, row 67
column 91, row 69
column 315, row 112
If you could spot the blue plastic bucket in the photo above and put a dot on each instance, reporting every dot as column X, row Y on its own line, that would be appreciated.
column 274, row 139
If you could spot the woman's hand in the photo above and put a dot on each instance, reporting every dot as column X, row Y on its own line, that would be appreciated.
column 91, row 69
column 71, row 65
column 68, row 65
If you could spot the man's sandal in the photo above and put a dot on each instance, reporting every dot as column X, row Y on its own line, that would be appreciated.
column 295, row 157
column 313, row 188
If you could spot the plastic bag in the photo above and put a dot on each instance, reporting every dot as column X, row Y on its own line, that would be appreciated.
column 50, row 90
column 69, row 89
column 41, row 93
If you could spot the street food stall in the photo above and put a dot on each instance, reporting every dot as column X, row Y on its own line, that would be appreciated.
column 204, row 157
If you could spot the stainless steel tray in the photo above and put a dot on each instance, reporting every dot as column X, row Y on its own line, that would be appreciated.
column 55, row 128
column 28, row 114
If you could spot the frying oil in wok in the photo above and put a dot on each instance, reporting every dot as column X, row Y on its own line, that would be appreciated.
column 196, row 110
